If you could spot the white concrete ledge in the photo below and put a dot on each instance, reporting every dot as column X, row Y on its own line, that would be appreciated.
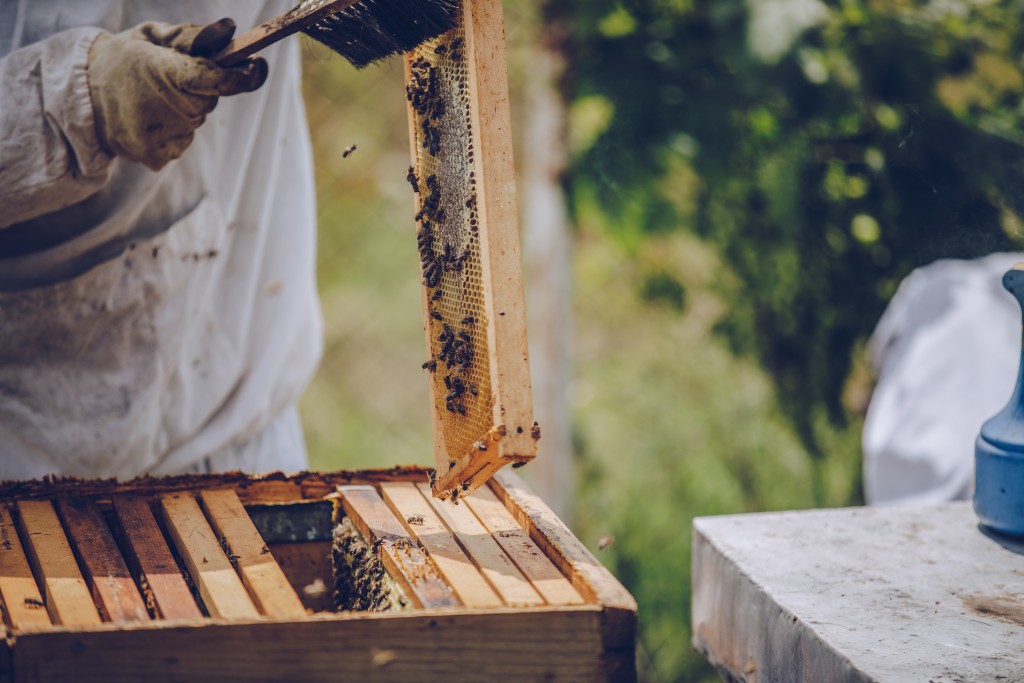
column 854, row 595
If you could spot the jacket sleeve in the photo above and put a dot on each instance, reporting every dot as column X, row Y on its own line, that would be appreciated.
column 49, row 154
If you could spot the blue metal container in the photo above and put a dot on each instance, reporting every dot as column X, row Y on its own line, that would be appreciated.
column 999, row 450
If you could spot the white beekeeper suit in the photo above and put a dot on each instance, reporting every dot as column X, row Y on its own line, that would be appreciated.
column 945, row 354
column 150, row 322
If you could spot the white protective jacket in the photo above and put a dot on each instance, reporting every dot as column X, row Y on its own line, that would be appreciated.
column 149, row 320
column 945, row 354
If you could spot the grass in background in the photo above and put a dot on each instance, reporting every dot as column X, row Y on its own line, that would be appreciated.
column 669, row 425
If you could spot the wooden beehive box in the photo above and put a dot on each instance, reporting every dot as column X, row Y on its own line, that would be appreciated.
column 222, row 577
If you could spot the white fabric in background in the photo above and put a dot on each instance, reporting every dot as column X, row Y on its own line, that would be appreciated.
column 945, row 353
column 149, row 320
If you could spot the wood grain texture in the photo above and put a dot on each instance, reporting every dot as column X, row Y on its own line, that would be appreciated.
column 150, row 559
column 112, row 586
column 407, row 564
column 23, row 603
column 517, row 544
column 491, row 119
column 499, row 570
column 423, row 523
column 465, row 646
column 587, row 575
column 219, row 586
column 267, row 584
column 65, row 591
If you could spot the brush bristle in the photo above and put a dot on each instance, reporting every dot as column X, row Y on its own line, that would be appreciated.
column 371, row 30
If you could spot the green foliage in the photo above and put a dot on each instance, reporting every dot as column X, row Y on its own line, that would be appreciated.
column 884, row 136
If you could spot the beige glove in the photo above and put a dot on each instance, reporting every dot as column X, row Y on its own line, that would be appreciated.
column 151, row 88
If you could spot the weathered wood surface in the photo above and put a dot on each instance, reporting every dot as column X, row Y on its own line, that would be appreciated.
column 406, row 563
column 546, row 578
column 23, row 603
column 219, row 586
column 112, row 585
column 150, row 560
column 424, row 524
column 857, row 595
column 65, row 591
column 267, row 584
column 548, row 644
column 499, row 570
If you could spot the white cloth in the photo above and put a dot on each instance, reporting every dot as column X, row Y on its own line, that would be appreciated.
column 147, row 320
column 945, row 353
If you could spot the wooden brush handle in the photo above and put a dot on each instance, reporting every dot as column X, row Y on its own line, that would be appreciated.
column 269, row 32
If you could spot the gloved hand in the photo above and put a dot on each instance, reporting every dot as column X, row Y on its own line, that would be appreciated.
column 151, row 87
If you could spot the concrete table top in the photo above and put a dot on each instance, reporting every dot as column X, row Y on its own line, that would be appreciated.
column 858, row 594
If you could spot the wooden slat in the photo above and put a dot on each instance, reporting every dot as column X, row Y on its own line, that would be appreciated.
column 514, row 588
column 560, row 644
column 499, row 225
column 426, row 527
column 267, row 584
column 407, row 564
column 531, row 560
column 65, row 592
column 23, row 603
column 150, row 558
column 219, row 586
column 590, row 577
column 113, row 588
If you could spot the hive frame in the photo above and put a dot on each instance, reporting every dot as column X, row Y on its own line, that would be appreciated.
column 513, row 435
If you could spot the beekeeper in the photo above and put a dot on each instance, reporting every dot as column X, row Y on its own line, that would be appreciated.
column 945, row 354
column 158, row 310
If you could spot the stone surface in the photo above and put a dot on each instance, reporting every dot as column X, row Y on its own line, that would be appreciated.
column 860, row 594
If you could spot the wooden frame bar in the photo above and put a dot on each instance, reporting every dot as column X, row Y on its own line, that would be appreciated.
column 65, row 591
column 112, row 586
column 23, row 603
column 150, row 559
column 219, row 586
column 406, row 563
column 267, row 584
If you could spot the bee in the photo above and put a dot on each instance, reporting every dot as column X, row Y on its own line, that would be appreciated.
column 436, row 316
column 437, row 295
column 457, row 43
column 468, row 320
column 450, row 405
column 430, row 365
column 451, row 464
column 535, row 431
column 432, row 275
column 473, row 390
column 460, row 408
column 440, row 49
column 413, row 180
column 480, row 445
column 440, row 216
column 454, row 497
column 415, row 519
column 432, row 477
column 348, row 150
column 465, row 486
column 32, row 602
column 464, row 336
column 517, row 465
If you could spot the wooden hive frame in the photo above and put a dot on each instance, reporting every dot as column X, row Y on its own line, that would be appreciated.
column 95, row 584
column 508, row 435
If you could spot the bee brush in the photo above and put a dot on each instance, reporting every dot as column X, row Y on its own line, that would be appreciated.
column 362, row 31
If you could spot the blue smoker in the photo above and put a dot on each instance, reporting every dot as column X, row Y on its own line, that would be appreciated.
column 999, row 450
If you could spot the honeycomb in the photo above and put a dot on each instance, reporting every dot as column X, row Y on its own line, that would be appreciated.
column 448, row 236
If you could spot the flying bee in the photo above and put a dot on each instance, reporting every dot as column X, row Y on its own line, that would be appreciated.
column 348, row 150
